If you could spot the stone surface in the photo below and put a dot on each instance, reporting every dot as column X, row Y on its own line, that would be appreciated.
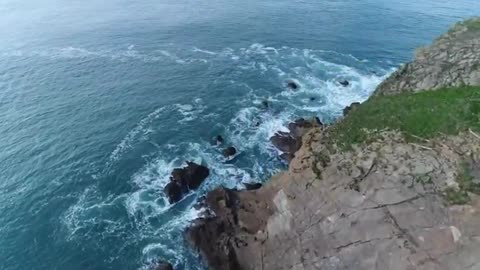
column 452, row 60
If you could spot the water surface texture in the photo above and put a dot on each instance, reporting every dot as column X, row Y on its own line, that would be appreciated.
column 99, row 100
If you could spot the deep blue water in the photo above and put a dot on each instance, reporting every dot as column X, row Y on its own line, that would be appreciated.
column 99, row 100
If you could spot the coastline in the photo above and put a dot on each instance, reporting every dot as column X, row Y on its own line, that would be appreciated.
column 367, row 200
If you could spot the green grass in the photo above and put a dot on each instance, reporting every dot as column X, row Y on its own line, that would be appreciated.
column 472, row 24
column 425, row 114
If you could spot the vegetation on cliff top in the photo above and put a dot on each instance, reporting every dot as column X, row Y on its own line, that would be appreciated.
column 425, row 114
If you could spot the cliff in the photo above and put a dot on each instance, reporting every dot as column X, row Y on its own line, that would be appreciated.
column 451, row 61
column 393, row 185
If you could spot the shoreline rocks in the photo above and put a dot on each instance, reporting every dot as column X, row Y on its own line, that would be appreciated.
column 234, row 228
column 378, row 205
column 182, row 180
column 290, row 142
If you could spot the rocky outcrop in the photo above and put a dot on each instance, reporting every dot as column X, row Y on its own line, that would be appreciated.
column 226, row 238
column 451, row 61
column 185, row 179
column 290, row 142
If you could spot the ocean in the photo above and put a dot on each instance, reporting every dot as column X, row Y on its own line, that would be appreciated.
column 100, row 100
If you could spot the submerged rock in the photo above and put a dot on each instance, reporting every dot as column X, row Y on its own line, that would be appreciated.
column 352, row 106
column 344, row 83
column 292, row 85
column 163, row 266
column 217, row 140
column 265, row 104
column 185, row 179
column 229, row 152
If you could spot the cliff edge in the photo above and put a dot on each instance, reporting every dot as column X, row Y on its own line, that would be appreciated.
column 453, row 60
column 393, row 185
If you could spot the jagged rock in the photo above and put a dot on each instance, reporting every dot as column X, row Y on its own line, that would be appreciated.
column 344, row 83
column 184, row 179
column 285, row 142
column 217, row 140
column 352, row 106
column 163, row 266
column 229, row 151
column 292, row 85
column 290, row 142
column 173, row 191
column 451, row 61
column 238, row 216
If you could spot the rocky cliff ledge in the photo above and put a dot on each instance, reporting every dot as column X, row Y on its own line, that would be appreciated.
column 451, row 61
column 393, row 185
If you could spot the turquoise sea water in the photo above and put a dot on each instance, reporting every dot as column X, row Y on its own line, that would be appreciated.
column 99, row 100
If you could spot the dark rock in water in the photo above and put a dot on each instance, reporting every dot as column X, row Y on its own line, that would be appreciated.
column 344, row 83
column 290, row 142
column 238, row 216
column 217, row 140
column 256, row 124
column 173, row 191
column 285, row 142
column 352, row 106
column 184, row 179
column 265, row 104
column 312, row 98
column 292, row 85
column 252, row 186
column 163, row 266
column 229, row 151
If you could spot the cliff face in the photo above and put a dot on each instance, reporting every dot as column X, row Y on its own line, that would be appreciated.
column 380, row 199
column 453, row 60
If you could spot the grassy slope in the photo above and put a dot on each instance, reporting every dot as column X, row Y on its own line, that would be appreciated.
column 423, row 114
